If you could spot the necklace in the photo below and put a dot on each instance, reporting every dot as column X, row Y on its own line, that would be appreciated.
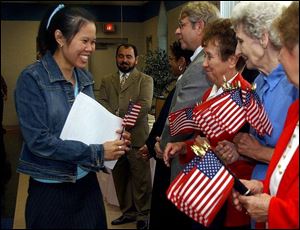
column 70, row 79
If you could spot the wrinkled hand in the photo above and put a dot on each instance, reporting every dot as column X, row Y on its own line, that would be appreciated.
column 114, row 149
column 257, row 206
column 235, row 199
column 157, row 149
column 143, row 151
column 247, row 145
column 226, row 150
column 172, row 149
column 255, row 186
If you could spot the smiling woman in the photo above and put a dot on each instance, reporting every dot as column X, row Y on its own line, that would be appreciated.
column 45, row 92
column 259, row 42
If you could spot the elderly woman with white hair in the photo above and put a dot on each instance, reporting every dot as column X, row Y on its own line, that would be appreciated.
column 275, row 201
column 259, row 44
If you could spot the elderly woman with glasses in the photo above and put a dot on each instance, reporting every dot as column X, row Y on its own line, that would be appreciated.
column 275, row 201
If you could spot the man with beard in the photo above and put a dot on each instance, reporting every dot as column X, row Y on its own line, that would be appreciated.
column 131, row 174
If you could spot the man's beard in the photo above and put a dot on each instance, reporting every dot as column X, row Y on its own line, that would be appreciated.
column 125, row 69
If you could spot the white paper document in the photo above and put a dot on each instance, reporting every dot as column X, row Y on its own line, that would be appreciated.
column 89, row 122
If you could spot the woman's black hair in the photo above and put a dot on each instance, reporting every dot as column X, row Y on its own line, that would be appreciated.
column 178, row 52
column 68, row 20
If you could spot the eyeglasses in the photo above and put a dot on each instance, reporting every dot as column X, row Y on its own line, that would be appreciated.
column 181, row 24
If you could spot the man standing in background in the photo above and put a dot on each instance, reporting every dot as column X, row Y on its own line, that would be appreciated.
column 131, row 174
column 189, row 89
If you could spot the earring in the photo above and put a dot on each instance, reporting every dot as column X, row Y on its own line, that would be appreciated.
column 262, row 44
column 61, row 45
column 180, row 68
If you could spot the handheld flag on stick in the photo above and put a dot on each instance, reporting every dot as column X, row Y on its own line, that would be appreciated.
column 224, row 113
column 256, row 114
column 227, row 112
column 182, row 122
column 203, row 186
column 131, row 115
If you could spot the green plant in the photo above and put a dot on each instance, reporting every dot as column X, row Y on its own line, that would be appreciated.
column 157, row 66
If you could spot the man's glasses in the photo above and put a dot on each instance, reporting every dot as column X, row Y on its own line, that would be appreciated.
column 181, row 24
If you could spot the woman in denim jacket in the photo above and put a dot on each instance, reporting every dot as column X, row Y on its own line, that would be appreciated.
column 63, row 188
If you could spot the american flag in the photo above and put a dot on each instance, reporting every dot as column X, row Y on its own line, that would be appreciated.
column 182, row 122
column 225, row 113
column 201, row 189
column 131, row 115
column 176, row 185
column 256, row 114
column 231, row 115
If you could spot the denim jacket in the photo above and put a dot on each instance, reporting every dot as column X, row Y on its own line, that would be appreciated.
column 43, row 99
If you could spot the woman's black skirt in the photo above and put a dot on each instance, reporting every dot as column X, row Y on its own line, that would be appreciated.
column 65, row 205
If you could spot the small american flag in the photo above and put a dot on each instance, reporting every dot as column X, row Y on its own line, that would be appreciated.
column 176, row 185
column 256, row 114
column 201, row 189
column 231, row 115
column 182, row 122
column 225, row 113
column 131, row 115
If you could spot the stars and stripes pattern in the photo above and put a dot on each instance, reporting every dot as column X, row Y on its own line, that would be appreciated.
column 132, row 114
column 225, row 114
column 256, row 114
column 201, row 189
column 182, row 122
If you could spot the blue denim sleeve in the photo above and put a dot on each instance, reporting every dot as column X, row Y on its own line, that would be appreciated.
column 97, row 157
column 42, row 110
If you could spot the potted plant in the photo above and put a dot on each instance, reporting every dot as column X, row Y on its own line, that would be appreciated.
column 156, row 65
